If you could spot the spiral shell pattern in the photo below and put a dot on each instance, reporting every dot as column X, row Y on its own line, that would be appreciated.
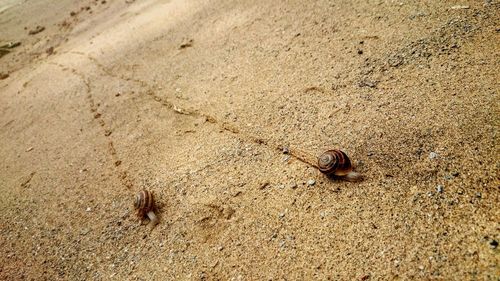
column 144, row 201
column 334, row 162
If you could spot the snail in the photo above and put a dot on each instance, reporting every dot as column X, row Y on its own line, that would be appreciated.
column 336, row 163
column 145, row 205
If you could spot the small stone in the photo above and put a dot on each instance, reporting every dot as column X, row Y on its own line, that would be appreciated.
column 285, row 150
column 395, row 61
column 452, row 175
column 50, row 51
column 282, row 215
column 429, row 194
column 264, row 185
column 88, row 209
column 293, row 185
column 311, row 182
column 368, row 83
column 37, row 29
column 29, row 149
column 478, row 194
column 282, row 243
column 460, row 7
column 493, row 244
column 186, row 44
column 440, row 188
column 322, row 214
column 433, row 155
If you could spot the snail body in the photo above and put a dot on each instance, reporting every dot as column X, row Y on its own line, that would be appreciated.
column 144, row 204
column 336, row 163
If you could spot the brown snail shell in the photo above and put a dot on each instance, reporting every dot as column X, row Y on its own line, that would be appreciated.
column 145, row 205
column 336, row 163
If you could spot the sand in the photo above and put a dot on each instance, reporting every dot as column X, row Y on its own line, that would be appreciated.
column 197, row 101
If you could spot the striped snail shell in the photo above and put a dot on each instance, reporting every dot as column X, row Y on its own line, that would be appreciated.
column 145, row 205
column 336, row 163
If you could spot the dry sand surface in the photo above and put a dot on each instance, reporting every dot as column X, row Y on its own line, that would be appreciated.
column 199, row 101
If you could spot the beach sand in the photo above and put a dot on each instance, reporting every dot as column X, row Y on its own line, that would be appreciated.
column 220, row 108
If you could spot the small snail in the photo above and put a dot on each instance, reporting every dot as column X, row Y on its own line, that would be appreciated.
column 145, row 205
column 336, row 163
